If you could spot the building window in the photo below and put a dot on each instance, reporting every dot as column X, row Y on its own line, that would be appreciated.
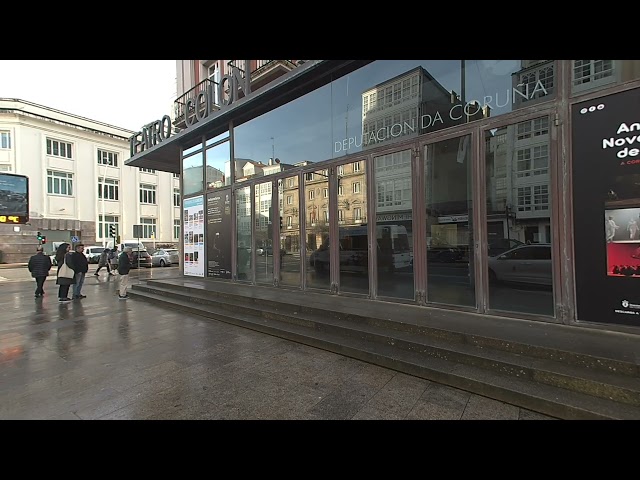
column 394, row 192
column 59, row 183
column 5, row 168
column 341, row 215
column 289, row 200
column 532, row 161
column 592, row 73
column 176, row 197
column 340, row 190
column 308, row 177
column 148, row 227
column 290, row 183
column 356, row 187
column 289, row 221
column 107, row 158
column 357, row 214
column 356, row 166
column 533, row 128
column 148, row 194
column 148, row 170
column 108, row 189
column 176, row 229
column 104, row 225
column 312, row 194
column 325, row 215
column 325, row 193
column 176, row 175
column 341, row 170
column 59, row 149
column 5, row 140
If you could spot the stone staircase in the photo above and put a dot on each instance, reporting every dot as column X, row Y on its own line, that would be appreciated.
column 562, row 371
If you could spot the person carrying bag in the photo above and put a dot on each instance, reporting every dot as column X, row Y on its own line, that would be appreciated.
column 65, row 274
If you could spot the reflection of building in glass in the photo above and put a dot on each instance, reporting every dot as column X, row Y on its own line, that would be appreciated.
column 263, row 196
column 215, row 177
column 289, row 214
column 533, row 83
column 411, row 104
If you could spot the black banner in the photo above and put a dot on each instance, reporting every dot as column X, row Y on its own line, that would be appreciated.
column 606, row 206
column 219, row 233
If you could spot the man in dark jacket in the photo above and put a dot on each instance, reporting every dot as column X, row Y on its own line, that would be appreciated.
column 39, row 266
column 81, row 267
column 124, row 265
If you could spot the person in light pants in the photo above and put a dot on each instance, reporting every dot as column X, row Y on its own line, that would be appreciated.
column 124, row 265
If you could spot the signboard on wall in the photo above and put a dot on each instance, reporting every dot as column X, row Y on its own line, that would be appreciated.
column 606, row 207
column 14, row 199
column 219, row 233
column 193, row 228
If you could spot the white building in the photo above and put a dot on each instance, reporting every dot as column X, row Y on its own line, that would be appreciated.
column 78, row 183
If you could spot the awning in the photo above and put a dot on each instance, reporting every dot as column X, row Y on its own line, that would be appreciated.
column 165, row 156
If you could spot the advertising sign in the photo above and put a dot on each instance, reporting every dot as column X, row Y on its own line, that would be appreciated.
column 219, row 234
column 606, row 205
column 193, row 228
column 14, row 198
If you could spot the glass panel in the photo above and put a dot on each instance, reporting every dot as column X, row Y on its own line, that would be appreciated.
column 217, row 138
column 243, row 226
column 317, row 233
column 192, row 174
column 289, row 231
column 449, row 222
column 218, row 166
column 192, row 149
column 593, row 75
column 394, row 224
column 354, row 239
column 518, row 218
column 263, row 242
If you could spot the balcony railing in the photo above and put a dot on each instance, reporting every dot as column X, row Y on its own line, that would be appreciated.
column 262, row 66
column 180, row 105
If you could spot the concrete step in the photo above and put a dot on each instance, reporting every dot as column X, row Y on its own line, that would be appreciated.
column 480, row 371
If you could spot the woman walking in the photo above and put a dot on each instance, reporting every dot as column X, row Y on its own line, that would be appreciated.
column 63, row 256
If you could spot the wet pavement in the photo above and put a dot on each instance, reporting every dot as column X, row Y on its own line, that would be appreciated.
column 104, row 358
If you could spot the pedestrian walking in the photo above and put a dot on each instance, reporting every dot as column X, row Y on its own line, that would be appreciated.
column 124, row 265
column 39, row 266
column 113, row 259
column 103, row 261
column 66, row 275
column 81, row 267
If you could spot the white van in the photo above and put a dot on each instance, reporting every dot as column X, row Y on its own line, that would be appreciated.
column 133, row 244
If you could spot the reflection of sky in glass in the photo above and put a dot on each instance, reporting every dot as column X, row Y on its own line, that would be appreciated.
column 217, row 159
column 307, row 128
column 15, row 184
column 192, row 174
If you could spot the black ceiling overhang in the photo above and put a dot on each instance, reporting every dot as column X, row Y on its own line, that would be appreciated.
column 310, row 76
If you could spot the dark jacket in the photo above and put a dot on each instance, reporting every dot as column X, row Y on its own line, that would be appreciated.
column 68, row 259
column 80, row 262
column 39, row 265
column 124, row 264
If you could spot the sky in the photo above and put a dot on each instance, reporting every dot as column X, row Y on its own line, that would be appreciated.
column 123, row 93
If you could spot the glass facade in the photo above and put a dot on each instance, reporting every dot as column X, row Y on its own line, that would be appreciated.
column 355, row 159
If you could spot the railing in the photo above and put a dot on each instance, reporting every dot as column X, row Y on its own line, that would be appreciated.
column 180, row 104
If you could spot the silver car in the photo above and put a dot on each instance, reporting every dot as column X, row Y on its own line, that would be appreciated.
column 174, row 255
column 161, row 258
column 523, row 264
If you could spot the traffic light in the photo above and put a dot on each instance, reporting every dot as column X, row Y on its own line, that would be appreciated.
column 44, row 239
column 112, row 230
column 39, row 237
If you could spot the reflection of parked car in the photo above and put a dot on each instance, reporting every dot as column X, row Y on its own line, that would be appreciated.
column 145, row 259
column 445, row 254
column 523, row 264
column 498, row 246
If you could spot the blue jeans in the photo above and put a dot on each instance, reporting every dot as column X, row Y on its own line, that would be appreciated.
column 77, row 287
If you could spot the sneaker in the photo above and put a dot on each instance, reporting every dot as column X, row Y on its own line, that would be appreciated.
column 64, row 299
column 123, row 297
column 80, row 296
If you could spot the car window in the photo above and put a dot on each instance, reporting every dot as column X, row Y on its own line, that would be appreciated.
column 161, row 252
column 542, row 253
column 524, row 253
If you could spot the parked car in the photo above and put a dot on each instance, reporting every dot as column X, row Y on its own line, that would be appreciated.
column 145, row 259
column 523, row 264
column 268, row 250
column 498, row 246
column 174, row 255
column 93, row 253
column 161, row 258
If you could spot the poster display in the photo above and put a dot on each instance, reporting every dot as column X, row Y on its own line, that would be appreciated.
column 219, row 233
column 606, row 203
column 193, row 228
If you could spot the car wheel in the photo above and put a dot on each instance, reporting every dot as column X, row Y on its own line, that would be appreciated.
column 162, row 264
